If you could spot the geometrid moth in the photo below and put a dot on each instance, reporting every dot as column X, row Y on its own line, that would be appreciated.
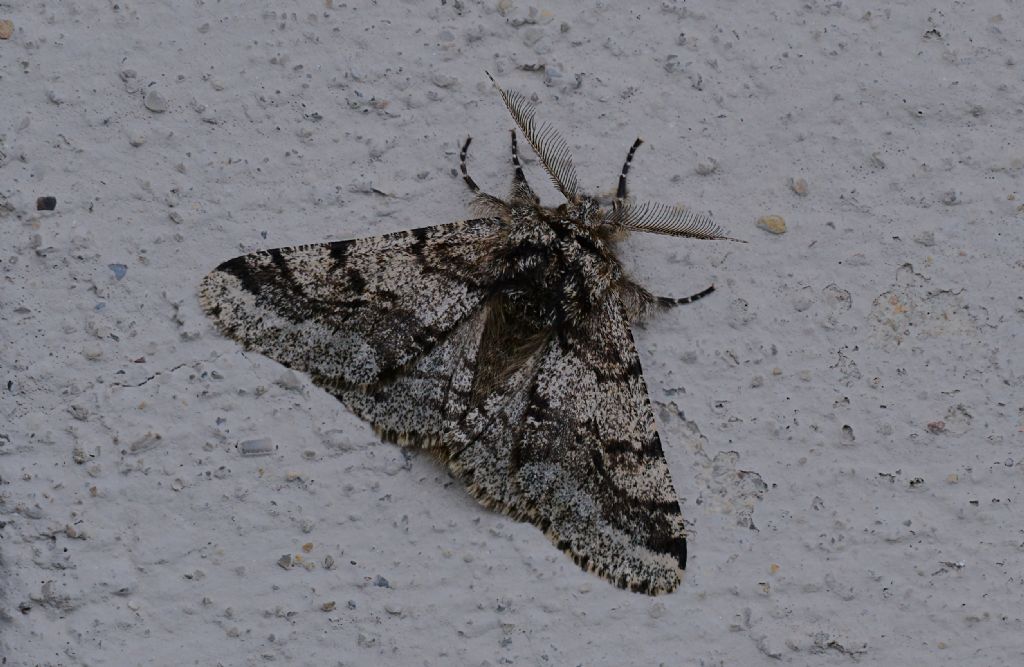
column 501, row 345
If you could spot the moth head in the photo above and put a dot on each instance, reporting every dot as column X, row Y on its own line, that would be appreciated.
column 584, row 210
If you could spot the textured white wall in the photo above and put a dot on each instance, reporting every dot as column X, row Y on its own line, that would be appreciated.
column 849, row 456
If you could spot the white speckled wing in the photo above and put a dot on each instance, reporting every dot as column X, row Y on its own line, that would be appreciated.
column 354, row 313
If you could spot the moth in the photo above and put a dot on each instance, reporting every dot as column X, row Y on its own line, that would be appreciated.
column 501, row 345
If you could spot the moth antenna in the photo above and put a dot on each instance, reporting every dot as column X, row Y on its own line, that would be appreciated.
column 620, row 194
column 670, row 220
column 549, row 146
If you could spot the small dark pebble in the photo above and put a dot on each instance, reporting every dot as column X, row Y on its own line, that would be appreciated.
column 46, row 203
column 381, row 581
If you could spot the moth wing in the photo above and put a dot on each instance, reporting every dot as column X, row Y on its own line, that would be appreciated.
column 569, row 443
column 416, row 407
column 356, row 312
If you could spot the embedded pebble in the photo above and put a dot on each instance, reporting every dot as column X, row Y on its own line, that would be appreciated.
column 136, row 139
column 532, row 35
column 92, row 352
column 927, row 238
column 799, row 186
column 772, row 223
column 119, row 270
column 846, row 435
column 257, row 447
column 381, row 582
column 443, row 80
column 328, row 606
column 46, row 203
column 6, row 28
column 393, row 609
column 285, row 561
column 155, row 102
column 145, row 442
column 707, row 168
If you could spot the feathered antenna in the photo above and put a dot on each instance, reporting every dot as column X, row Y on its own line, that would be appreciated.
column 671, row 220
column 549, row 146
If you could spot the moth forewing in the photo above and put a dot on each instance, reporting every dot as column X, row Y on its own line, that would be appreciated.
column 502, row 345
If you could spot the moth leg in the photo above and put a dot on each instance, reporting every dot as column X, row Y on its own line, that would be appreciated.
column 668, row 301
column 521, row 190
column 483, row 202
column 462, row 166
column 520, row 176
column 620, row 194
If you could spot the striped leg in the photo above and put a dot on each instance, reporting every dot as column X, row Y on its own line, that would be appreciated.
column 620, row 194
column 462, row 165
column 520, row 176
column 668, row 301
column 521, row 190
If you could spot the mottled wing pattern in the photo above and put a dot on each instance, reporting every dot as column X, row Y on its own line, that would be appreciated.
column 414, row 408
column 357, row 312
column 395, row 326
column 569, row 443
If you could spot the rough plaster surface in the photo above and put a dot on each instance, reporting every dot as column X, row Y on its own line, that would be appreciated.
column 843, row 418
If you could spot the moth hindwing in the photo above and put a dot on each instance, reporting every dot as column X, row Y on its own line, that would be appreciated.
column 500, row 344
